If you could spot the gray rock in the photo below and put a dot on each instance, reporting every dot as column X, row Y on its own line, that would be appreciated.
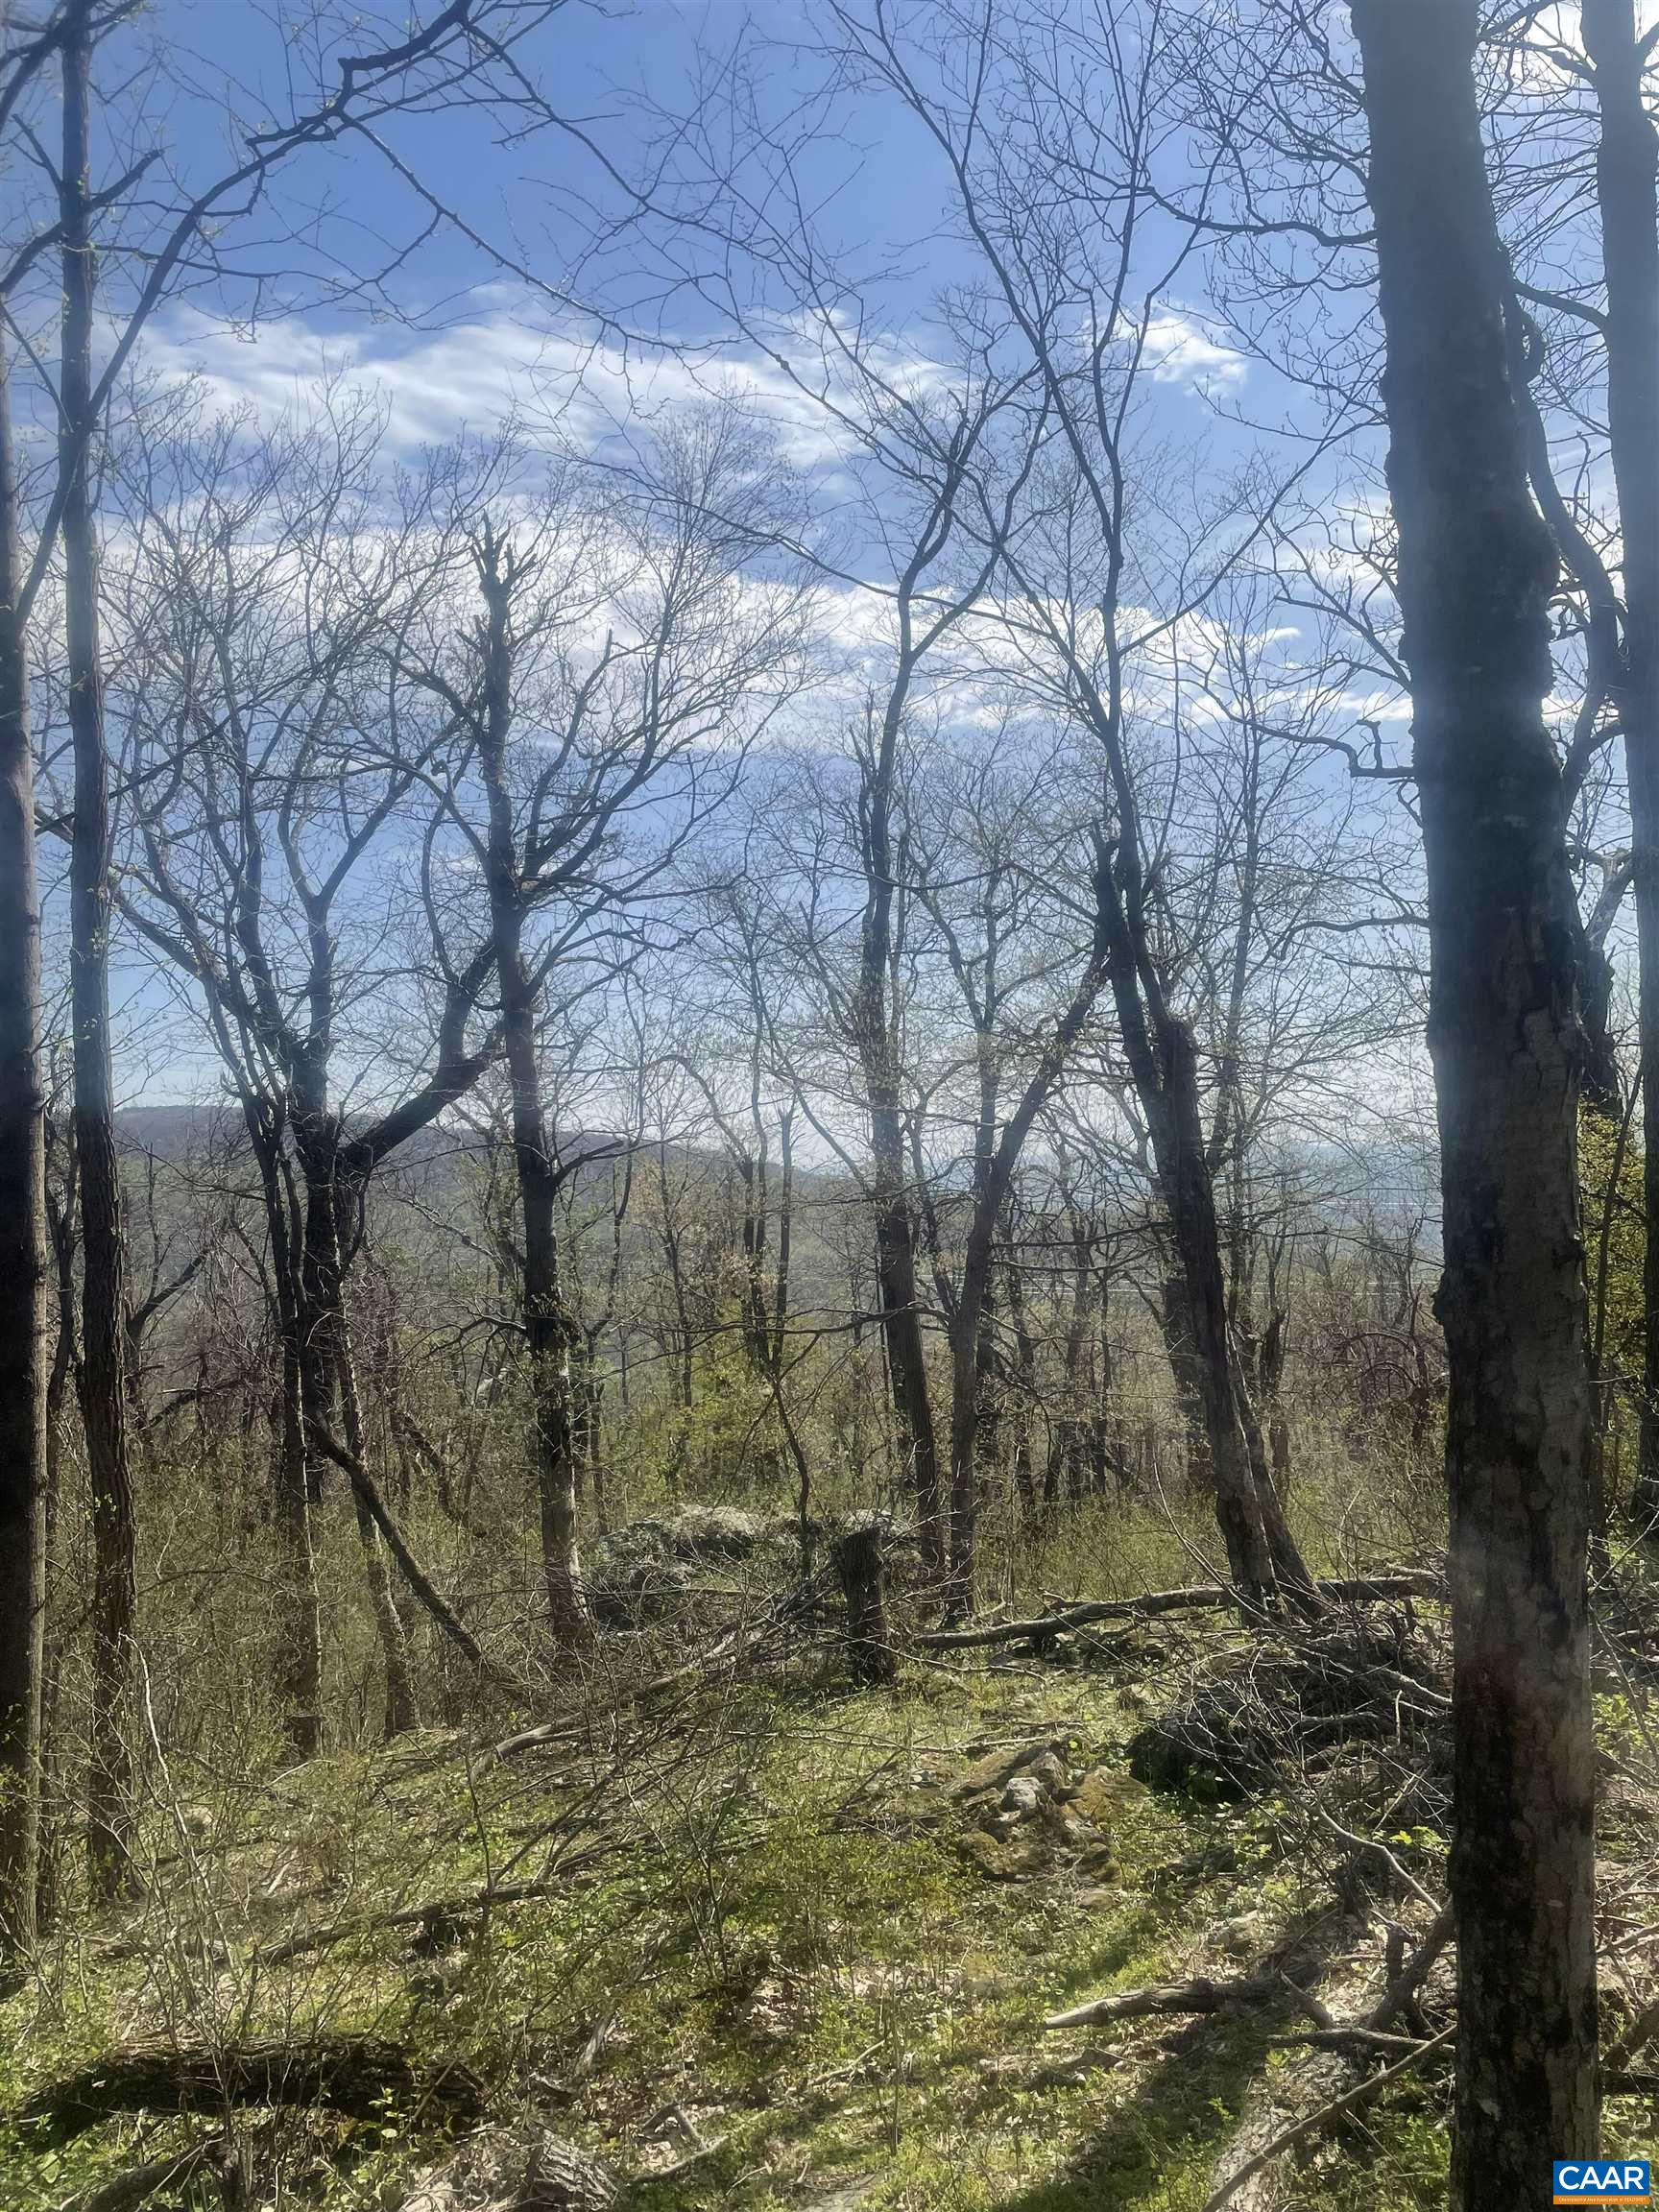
column 1245, row 1936
column 521, row 2169
column 846, row 2197
column 714, row 1532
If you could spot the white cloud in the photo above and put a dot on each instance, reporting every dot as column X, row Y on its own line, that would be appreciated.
column 506, row 362
column 1183, row 349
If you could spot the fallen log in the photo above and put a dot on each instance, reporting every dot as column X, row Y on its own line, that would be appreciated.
column 456, row 1910
column 517, row 2169
column 125, row 2192
column 1201, row 1994
column 1202, row 1596
column 1310, row 2123
column 353, row 2075
column 1401, row 1994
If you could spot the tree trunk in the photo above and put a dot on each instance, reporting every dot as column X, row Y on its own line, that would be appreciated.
column 403, row 1708
column 1476, row 567
column 548, row 1326
column 103, row 1399
column 901, row 1327
column 1261, row 1551
column 872, row 1027
column 1024, row 1387
column 863, row 1574
column 327, row 1374
column 299, row 1646
column 1065, row 1468
column 1627, row 194
column 1176, row 1326
column 23, row 1247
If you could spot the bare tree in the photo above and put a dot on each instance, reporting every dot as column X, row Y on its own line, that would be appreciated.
column 1476, row 566
column 650, row 715
column 171, row 238
column 23, row 1248
column 269, row 759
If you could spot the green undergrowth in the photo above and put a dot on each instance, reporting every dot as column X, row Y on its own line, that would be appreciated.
column 758, row 1951
column 772, row 1963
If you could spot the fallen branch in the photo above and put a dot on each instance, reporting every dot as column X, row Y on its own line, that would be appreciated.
column 736, row 1645
column 1202, row 1596
column 1401, row 1992
column 127, row 2191
column 1337, row 2037
column 1637, row 2037
column 355, row 2075
column 414, row 1574
column 1313, row 2122
column 435, row 1913
column 1201, row 1994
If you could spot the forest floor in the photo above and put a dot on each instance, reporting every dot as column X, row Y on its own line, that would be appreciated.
column 773, row 1942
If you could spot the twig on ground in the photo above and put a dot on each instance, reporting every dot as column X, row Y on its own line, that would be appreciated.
column 1310, row 2123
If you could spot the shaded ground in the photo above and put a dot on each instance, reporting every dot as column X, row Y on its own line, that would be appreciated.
column 770, row 1944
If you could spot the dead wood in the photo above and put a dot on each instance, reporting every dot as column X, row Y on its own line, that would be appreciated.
column 1401, row 1994
column 1200, row 1598
column 517, row 2169
column 125, row 2192
column 414, row 1574
column 771, row 1629
column 1202, row 1994
column 354, row 2075
column 1312, row 2122
column 1636, row 2036
column 1294, row 1962
column 434, row 1915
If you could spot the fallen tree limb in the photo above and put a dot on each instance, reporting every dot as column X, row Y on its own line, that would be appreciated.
column 432, row 1914
column 355, row 2075
column 414, row 1574
column 1310, row 2123
column 1201, row 1994
column 1353, row 2037
column 127, row 2191
column 1401, row 1992
column 1637, row 2037
column 1201, row 1598
column 736, row 1645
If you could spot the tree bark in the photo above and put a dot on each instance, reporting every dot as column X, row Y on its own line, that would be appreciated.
column 1261, row 1551
column 1177, row 1327
column 326, row 1370
column 873, row 1021
column 102, row 1398
column 1476, row 566
column 299, row 1645
column 863, row 1572
column 402, row 1707
column 547, row 1325
column 1627, row 195
column 23, row 1246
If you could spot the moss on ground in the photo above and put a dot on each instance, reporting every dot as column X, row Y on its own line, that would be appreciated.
column 774, row 1962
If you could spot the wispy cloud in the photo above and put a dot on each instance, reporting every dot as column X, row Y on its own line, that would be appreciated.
column 1182, row 347
column 504, row 363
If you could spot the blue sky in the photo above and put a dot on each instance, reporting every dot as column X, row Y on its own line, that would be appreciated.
column 600, row 67
column 470, row 326
column 469, row 335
